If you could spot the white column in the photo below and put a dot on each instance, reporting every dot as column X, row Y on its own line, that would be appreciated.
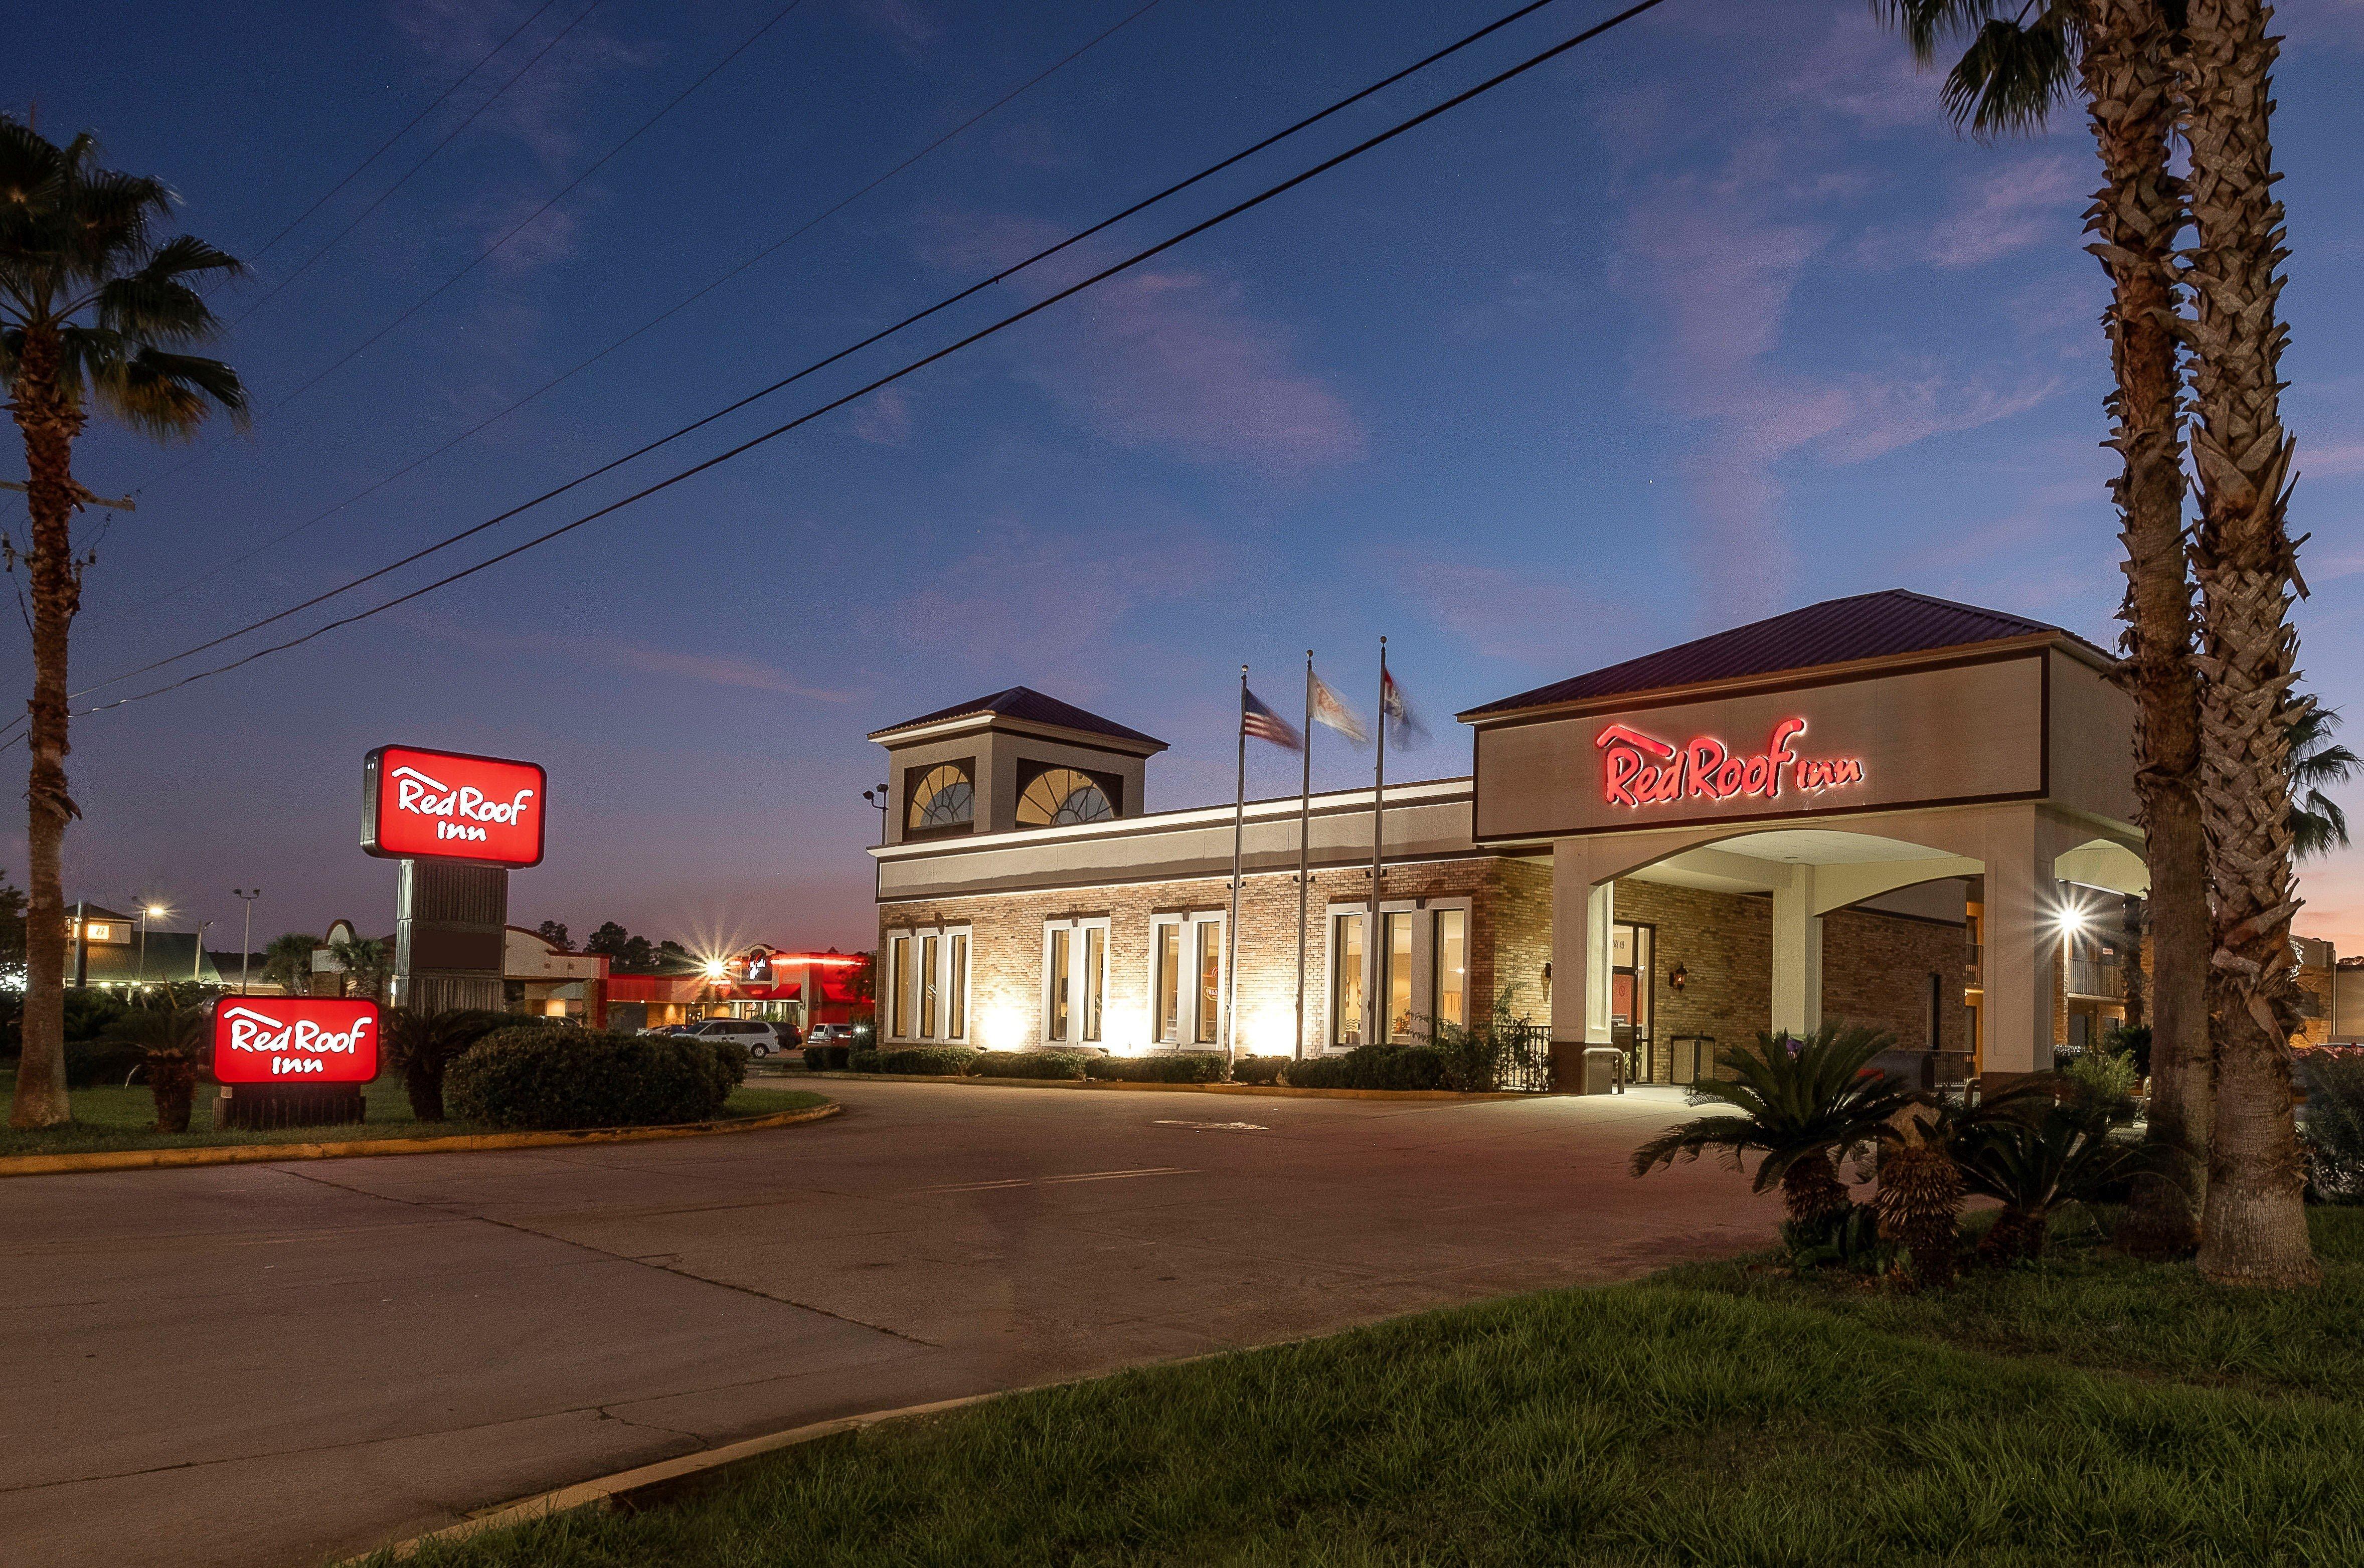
column 1583, row 922
column 2021, row 934
column 1797, row 955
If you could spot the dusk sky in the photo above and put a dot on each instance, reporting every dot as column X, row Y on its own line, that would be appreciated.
column 1711, row 319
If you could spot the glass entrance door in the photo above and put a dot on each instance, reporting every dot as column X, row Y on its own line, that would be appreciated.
column 1631, row 950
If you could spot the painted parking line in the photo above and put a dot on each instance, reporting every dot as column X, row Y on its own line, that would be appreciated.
column 1214, row 1126
column 1055, row 1181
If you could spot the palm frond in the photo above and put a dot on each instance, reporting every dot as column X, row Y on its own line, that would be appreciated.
column 1926, row 24
column 2012, row 75
column 166, row 395
column 1792, row 1098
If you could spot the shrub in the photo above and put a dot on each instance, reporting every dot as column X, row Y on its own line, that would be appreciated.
column 924, row 1060
column 2103, row 1085
column 2120, row 1040
column 2333, row 1077
column 1173, row 1067
column 534, row 1077
column 827, row 1058
column 862, row 1061
column 1031, row 1064
column 1259, row 1069
column 1481, row 1058
column 422, row 1046
column 101, row 1064
column 1371, row 1067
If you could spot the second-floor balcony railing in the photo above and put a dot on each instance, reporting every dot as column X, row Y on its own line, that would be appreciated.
column 2092, row 977
column 1975, row 963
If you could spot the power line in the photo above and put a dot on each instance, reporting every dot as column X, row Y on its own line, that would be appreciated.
column 693, row 298
column 1237, row 209
column 486, row 253
column 387, row 145
column 305, row 265
column 945, row 304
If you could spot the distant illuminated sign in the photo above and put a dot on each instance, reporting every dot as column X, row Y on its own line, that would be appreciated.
column 294, row 1039
column 451, row 806
column 1639, row 770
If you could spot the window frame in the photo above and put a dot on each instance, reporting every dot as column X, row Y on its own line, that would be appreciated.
column 1191, row 1023
column 1377, row 963
column 941, row 946
column 1078, row 931
column 918, row 774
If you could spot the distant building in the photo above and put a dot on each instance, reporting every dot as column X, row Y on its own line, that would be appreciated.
column 108, row 949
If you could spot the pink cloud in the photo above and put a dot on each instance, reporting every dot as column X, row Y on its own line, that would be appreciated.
column 1162, row 357
column 886, row 419
column 540, row 110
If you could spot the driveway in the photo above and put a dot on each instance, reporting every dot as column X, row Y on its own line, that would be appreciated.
column 266, row 1366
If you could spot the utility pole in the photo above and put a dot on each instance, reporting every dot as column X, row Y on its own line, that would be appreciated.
column 197, row 961
column 245, row 945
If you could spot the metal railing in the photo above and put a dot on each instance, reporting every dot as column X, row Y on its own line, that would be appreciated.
column 2092, row 977
column 1975, row 963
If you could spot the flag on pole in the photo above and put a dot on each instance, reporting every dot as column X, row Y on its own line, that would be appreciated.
column 1395, row 710
column 1263, row 724
column 1331, row 709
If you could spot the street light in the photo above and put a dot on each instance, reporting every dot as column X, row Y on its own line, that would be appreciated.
column 147, row 912
column 197, row 959
column 246, row 955
column 877, row 798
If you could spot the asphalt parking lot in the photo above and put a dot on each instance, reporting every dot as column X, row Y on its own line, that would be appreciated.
column 272, row 1365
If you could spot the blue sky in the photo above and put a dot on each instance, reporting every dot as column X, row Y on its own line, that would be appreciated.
column 1711, row 319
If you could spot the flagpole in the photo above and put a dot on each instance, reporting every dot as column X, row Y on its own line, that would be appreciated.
column 1232, row 925
column 1373, row 1035
column 1304, row 848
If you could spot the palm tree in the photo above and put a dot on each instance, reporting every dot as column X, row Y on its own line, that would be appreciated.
column 2118, row 56
column 2037, row 1165
column 1803, row 1103
column 420, row 1046
column 93, row 306
column 2318, row 825
column 366, row 962
column 288, row 963
column 2254, row 1230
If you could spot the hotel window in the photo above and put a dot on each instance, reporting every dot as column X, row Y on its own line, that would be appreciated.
column 1451, row 987
column 956, row 986
column 1169, row 982
column 898, row 973
column 927, row 984
column 941, row 800
column 1346, row 981
column 1189, row 979
column 1395, row 984
column 928, row 978
column 1075, row 980
column 1055, row 797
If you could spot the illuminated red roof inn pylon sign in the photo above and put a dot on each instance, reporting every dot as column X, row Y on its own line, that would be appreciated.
column 1639, row 770
column 451, row 806
column 294, row 1039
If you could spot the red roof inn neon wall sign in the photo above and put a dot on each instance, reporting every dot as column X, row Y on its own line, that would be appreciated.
column 1639, row 770
column 453, row 807
column 294, row 1039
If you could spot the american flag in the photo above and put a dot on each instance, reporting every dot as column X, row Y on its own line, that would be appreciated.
column 1394, row 710
column 1261, row 723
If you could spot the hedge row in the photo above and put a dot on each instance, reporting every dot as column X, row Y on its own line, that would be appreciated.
column 1066, row 1064
column 922, row 1061
column 1182, row 1067
column 1372, row 1067
column 1368, row 1067
column 546, row 1079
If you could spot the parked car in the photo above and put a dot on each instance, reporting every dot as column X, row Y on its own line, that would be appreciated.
column 671, row 1028
column 760, row 1037
column 831, row 1034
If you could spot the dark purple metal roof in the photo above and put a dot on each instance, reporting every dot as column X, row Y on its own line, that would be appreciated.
column 1026, row 704
column 1836, row 631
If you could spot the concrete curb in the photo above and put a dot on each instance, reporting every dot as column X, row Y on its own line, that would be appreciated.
column 1280, row 1091
column 371, row 1147
column 667, row 1480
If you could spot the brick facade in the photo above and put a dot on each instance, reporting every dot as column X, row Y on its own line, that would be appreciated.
column 1874, row 967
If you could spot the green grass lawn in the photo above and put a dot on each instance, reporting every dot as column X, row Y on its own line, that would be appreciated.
column 121, row 1118
column 2089, row 1410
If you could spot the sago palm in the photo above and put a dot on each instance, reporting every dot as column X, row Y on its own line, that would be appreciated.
column 2020, row 62
column 2037, row 1165
column 1801, row 1104
column 422, row 1046
column 2254, row 1230
column 96, row 305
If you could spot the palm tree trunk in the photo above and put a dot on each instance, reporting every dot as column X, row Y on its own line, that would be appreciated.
column 50, row 425
column 2129, row 93
column 2254, row 1229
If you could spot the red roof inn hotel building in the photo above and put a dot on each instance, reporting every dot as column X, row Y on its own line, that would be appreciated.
column 1887, row 809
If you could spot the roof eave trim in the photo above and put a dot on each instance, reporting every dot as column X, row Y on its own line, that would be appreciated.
column 944, row 728
column 1773, row 680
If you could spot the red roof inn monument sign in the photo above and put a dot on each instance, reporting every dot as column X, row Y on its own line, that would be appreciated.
column 459, row 824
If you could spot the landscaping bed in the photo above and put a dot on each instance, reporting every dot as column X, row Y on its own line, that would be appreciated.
column 112, row 1119
column 2086, row 1408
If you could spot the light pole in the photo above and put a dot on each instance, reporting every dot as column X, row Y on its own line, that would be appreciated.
column 147, row 912
column 877, row 798
column 246, row 946
column 197, row 962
